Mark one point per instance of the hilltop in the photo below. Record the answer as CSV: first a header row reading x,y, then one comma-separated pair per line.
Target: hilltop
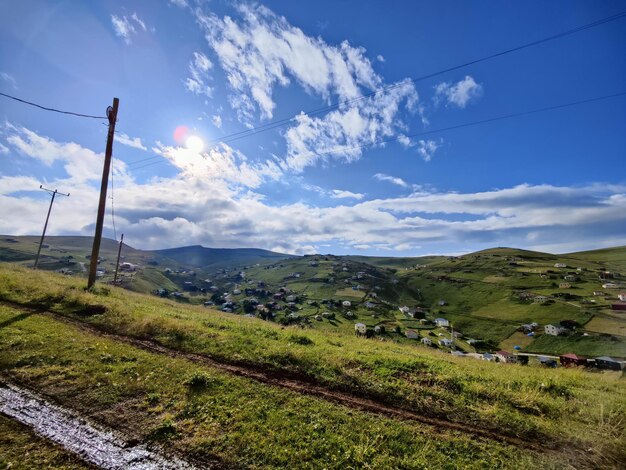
x,y
489,298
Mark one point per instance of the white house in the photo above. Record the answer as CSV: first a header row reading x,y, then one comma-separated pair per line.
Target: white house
x,y
445,342
441,322
489,357
540,299
427,341
560,265
360,329
610,285
404,309
622,296
553,330
346,303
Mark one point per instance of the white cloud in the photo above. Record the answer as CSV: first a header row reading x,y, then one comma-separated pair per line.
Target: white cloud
x,y
460,93
124,26
130,141
180,3
9,79
4,150
380,58
427,148
391,179
341,194
217,121
199,67
215,206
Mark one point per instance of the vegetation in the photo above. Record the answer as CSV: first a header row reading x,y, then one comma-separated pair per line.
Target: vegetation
x,y
21,449
573,409
234,421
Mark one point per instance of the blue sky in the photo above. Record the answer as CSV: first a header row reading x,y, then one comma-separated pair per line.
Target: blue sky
x,y
191,73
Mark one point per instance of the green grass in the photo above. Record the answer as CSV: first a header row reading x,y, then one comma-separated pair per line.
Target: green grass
x,y
22,449
591,346
512,399
205,414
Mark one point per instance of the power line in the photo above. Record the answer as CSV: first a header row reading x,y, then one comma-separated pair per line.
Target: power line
x,y
281,122
449,128
51,109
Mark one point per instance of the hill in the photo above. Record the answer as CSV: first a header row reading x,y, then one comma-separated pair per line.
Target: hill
x,y
232,391
218,258
485,296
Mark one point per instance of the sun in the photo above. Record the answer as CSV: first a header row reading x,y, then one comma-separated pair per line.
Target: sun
x,y
194,143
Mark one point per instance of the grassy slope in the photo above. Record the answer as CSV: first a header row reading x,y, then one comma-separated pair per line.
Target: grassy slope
x,y
21,449
480,290
562,405
239,422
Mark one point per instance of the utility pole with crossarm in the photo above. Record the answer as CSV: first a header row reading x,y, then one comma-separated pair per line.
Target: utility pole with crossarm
x,y
45,226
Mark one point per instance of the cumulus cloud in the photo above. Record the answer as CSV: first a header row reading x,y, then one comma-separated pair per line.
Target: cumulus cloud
x,y
216,119
126,27
341,194
427,148
199,67
215,205
135,142
260,51
391,179
458,94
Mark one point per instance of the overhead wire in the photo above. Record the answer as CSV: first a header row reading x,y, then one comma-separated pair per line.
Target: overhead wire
x,y
281,122
449,128
45,108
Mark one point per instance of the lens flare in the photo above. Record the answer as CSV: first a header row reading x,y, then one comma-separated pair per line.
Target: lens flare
x,y
180,134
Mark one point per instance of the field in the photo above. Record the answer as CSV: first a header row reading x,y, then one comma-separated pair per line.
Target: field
x,y
237,419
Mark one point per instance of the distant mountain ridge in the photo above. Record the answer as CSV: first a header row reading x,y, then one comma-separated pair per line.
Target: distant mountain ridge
x,y
198,256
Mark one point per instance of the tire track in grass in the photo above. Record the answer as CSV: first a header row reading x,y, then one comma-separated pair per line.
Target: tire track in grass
x,y
290,381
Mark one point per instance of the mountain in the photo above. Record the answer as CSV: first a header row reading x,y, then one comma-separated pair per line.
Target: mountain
x,y
198,256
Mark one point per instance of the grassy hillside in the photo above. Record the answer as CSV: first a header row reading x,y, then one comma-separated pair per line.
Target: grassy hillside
x,y
485,295
571,409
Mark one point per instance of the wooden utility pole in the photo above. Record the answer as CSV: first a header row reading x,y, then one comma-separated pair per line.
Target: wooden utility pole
x,y
117,264
45,226
112,116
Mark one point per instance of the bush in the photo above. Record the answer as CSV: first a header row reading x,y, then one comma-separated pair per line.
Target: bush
x,y
199,380
299,339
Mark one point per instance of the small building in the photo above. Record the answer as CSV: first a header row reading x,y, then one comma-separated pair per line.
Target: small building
x,y
441,303
445,342
370,305
360,329
560,265
608,363
346,303
622,296
621,306
540,299
426,341
404,309
318,317
610,285
379,329
553,330
505,356
570,278
571,359
441,322
488,357
598,293
564,285
411,334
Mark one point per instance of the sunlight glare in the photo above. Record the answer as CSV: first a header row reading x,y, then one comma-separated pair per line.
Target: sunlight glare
x,y
194,143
